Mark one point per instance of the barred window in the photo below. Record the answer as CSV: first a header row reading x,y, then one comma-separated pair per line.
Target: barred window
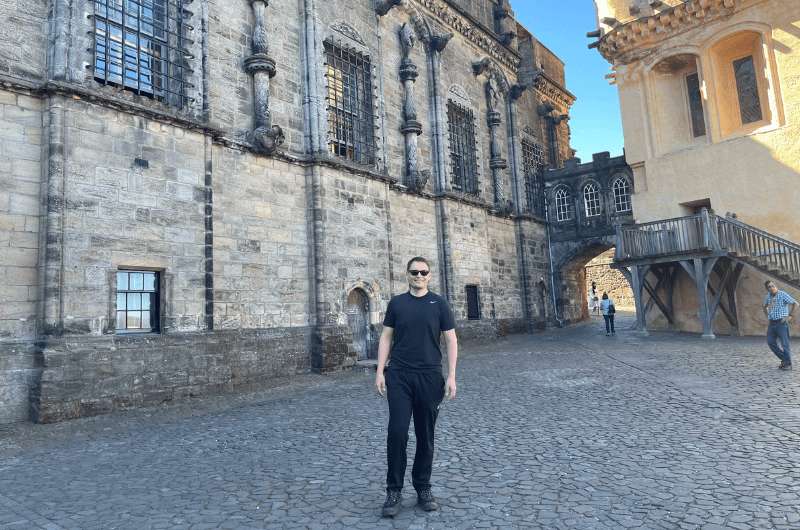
x,y
137,301
463,159
747,89
351,129
139,45
562,199
622,195
533,166
695,105
473,303
591,200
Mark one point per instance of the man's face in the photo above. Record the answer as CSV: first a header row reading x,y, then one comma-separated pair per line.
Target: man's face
x,y
418,275
772,288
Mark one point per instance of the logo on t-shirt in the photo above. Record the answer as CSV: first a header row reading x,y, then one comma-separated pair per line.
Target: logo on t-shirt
x,y
432,301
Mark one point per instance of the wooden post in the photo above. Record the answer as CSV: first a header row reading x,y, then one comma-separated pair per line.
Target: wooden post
x,y
636,283
701,275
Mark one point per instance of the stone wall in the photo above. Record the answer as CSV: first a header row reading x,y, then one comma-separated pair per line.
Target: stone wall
x,y
610,281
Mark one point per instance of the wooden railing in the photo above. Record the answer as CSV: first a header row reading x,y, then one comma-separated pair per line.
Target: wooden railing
x,y
755,245
706,232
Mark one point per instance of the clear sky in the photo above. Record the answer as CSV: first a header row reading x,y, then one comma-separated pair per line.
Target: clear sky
x,y
561,25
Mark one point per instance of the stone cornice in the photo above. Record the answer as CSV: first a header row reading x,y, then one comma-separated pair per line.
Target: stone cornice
x,y
472,31
549,89
620,44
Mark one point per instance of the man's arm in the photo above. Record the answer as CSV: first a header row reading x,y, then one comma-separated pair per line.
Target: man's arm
x,y
452,358
384,347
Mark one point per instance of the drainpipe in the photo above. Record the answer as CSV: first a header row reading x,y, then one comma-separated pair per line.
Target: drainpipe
x,y
550,255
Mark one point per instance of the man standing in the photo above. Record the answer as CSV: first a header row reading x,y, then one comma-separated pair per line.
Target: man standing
x,y
413,380
779,307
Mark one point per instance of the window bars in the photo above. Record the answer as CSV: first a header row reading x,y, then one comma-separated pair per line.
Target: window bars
x,y
463,158
563,211
351,129
622,195
533,166
591,200
139,45
747,89
137,301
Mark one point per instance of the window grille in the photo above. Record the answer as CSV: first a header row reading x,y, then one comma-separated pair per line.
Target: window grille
x,y
533,166
463,159
473,303
139,45
137,301
622,195
695,105
562,199
591,200
351,129
747,90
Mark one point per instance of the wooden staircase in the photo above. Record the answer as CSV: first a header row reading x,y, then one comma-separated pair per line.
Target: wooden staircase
x,y
778,258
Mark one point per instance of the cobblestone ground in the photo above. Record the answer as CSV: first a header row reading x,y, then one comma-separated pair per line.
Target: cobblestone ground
x,y
565,429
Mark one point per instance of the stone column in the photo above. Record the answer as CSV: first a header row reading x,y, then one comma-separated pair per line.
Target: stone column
x,y
414,178
496,161
266,137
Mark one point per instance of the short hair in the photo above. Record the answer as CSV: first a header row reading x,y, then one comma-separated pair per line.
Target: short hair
x,y
605,296
766,283
419,259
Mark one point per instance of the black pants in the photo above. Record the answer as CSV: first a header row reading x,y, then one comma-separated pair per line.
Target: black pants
x,y
417,393
609,323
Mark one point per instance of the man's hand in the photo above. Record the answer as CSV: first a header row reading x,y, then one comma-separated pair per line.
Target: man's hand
x,y
450,388
380,383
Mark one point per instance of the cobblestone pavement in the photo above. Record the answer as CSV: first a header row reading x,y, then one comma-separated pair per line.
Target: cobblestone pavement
x,y
565,429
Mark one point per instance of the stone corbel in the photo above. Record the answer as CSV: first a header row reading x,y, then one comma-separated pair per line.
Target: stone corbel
x,y
438,41
266,137
382,7
504,20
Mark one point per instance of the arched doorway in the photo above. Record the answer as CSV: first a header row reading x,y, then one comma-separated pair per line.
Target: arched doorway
x,y
358,320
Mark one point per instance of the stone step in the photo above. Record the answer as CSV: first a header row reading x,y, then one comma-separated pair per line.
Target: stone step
x,y
366,365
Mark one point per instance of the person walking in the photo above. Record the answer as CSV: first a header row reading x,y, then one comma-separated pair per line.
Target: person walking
x,y
413,381
608,310
779,308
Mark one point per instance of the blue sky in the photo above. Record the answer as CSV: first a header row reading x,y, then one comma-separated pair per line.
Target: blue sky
x,y
561,25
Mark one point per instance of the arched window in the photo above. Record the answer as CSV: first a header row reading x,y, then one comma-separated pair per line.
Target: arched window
x,y
591,200
562,204
622,195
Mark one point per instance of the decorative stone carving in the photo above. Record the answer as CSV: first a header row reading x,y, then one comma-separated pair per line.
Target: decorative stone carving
x,y
266,137
504,20
495,83
348,32
382,7
415,179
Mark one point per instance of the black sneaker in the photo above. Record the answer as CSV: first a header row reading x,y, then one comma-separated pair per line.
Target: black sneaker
x,y
391,505
786,366
426,500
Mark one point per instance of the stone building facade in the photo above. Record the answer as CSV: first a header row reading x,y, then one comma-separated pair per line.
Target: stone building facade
x,y
708,92
197,197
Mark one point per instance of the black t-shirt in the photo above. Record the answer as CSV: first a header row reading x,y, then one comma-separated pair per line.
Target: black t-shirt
x,y
418,322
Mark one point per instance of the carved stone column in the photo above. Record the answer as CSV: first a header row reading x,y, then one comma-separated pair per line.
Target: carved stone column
x,y
411,128
496,161
266,137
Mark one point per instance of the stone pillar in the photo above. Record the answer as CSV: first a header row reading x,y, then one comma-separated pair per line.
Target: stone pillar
x,y
266,137
496,161
414,178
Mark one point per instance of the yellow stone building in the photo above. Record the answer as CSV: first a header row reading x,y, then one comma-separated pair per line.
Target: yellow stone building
x,y
710,100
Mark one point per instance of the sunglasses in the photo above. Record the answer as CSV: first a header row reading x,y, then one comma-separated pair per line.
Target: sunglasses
x,y
418,273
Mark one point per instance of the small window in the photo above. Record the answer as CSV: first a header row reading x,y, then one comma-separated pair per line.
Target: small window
x,y
695,105
563,212
139,45
137,301
463,160
351,133
591,200
533,166
622,195
473,303
747,90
